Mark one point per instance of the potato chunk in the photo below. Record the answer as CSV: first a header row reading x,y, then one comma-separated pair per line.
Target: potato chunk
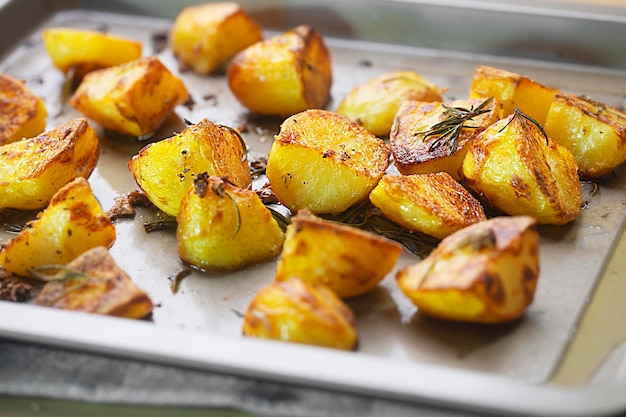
x,y
22,113
485,273
299,312
520,171
166,169
87,50
33,170
94,283
205,37
594,132
433,137
133,98
374,104
323,161
434,204
223,227
347,260
283,75
72,224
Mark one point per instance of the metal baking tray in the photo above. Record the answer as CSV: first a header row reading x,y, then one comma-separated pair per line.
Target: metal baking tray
x,y
403,354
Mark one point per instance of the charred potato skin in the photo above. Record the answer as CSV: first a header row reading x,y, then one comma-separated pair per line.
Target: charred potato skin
x,y
22,113
33,170
324,162
299,312
485,273
283,75
354,261
205,37
434,204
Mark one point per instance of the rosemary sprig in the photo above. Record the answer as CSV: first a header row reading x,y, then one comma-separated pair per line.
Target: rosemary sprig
x,y
177,278
160,225
50,273
523,117
282,220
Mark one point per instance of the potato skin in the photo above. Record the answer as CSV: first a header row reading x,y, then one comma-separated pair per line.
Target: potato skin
x,y
33,170
22,113
299,312
165,170
283,75
434,204
324,162
484,273
347,260
72,223
133,98
205,37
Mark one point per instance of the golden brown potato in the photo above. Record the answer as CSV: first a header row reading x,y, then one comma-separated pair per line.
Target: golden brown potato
x,y
165,170
435,204
594,132
93,283
205,37
347,260
433,137
299,312
484,273
283,75
223,227
512,91
22,113
520,171
72,223
33,170
323,161
87,50
373,105
133,98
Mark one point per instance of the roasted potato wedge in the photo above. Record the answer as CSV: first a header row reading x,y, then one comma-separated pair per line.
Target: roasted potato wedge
x,y
85,50
484,273
165,170
347,260
374,104
22,113
223,227
205,37
325,162
72,223
594,132
519,170
33,170
300,312
434,204
284,75
133,98
93,283
433,137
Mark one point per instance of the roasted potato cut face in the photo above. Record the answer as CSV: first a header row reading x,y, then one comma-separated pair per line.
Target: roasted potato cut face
x,y
22,113
431,137
284,75
223,227
519,170
300,312
512,91
594,132
484,273
325,162
205,37
165,170
85,50
33,170
93,283
374,104
133,98
434,204
72,223
347,260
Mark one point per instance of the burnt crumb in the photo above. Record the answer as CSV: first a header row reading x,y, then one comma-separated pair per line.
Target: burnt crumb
x,y
266,194
201,184
104,28
190,103
125,206
159,41
12,289
242,128
365,63
258,166
210,99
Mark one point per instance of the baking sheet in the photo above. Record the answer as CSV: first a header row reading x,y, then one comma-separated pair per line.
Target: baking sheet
x,y
200,325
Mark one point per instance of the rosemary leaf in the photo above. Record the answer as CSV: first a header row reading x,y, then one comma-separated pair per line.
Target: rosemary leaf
x,y
57,273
